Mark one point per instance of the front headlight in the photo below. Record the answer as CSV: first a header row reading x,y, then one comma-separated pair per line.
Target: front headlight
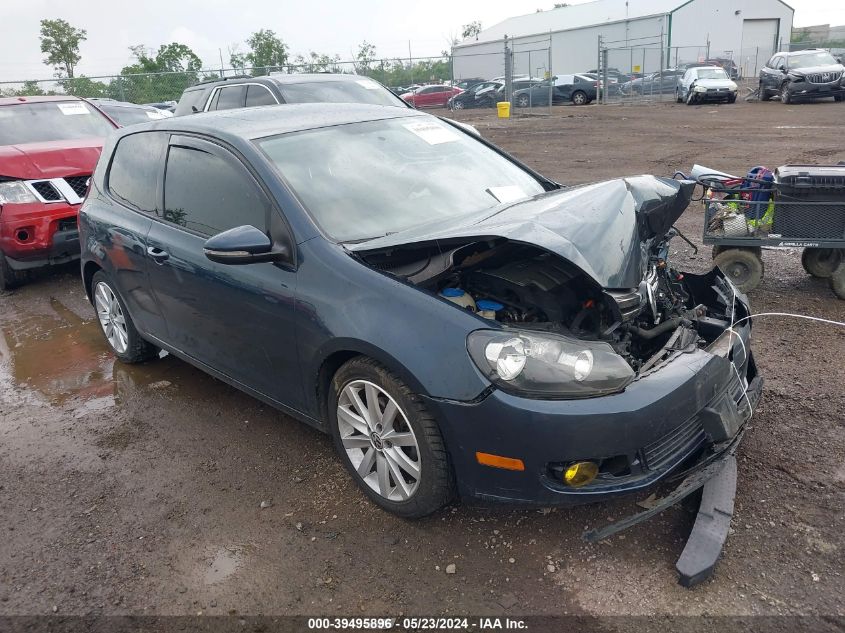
x,y
550,365
15,192
699,89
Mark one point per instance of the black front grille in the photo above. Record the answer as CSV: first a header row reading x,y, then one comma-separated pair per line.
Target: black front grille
x,y
79,184
47,191
824,78
671,447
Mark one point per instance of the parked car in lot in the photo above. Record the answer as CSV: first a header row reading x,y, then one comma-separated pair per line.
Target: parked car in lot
x,y
456,321
245,92
489,97
727,64
469,97
167,106
124,113
577,89
663,82
466,84
436,96
705,83
48,149
612,73
802,75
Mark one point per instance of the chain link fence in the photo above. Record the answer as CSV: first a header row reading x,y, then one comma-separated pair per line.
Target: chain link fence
x,y
168,86
646,71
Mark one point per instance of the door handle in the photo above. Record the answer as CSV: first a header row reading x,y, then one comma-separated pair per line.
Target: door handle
x,y
157,254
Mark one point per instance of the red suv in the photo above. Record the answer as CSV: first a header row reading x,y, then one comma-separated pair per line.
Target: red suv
x,y
431,96
48,149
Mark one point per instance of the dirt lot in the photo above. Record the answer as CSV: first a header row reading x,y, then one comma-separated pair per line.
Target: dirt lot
x,y
136,490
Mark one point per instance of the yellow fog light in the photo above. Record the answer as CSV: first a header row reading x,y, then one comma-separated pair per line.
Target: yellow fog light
x,y
580,473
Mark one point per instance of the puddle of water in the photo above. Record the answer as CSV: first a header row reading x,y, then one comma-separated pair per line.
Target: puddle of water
x,y
226,562
60,356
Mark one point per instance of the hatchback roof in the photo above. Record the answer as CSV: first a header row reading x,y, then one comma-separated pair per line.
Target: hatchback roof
x,y
258,122
280,78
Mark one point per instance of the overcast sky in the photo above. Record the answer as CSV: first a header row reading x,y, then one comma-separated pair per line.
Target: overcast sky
x,y
333,27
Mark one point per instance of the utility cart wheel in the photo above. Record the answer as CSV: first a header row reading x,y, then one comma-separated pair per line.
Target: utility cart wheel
x,y
743,267
757,250
821,262
837,281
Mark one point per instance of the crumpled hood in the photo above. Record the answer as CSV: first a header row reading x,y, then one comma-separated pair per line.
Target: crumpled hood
x,y
53,159
603,228
715,83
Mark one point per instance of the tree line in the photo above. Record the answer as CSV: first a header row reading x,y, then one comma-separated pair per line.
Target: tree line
x,y
162,74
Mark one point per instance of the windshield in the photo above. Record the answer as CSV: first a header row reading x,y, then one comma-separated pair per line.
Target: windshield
x,y
50,121
361,90
808,60
366,180
711,73
125,115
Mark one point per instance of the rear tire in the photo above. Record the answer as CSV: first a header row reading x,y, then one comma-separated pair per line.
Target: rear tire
x,y
523,101
579,97
118,329
743,267
429,484
839,98
821,262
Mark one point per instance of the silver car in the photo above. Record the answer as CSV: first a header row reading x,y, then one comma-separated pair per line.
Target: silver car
x,y
705,83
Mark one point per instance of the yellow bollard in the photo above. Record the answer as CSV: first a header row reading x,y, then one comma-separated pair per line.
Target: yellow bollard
x,y
504,109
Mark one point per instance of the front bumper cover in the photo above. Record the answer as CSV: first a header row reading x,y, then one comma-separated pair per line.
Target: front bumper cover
x,y
50,233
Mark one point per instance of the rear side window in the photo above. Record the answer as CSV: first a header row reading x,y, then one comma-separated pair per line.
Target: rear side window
x,y
137,161
230,97
355,91
190,99
259,96
208,194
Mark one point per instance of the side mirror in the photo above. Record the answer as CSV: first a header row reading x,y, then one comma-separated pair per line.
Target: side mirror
x,y
244,245
782,68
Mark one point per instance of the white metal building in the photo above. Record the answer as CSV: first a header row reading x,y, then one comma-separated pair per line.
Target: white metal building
x,y
638,33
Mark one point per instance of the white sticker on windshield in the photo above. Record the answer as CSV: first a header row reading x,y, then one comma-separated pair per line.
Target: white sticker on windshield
x,y
369,84
432,133
509,193
77,107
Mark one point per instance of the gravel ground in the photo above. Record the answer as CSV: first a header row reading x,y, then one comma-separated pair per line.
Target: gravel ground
x,y
138,489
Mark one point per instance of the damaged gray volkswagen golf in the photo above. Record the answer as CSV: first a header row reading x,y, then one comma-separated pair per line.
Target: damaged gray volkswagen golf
x,y
460,324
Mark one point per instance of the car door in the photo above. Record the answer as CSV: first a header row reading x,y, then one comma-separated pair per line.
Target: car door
x,y
770,74
133,185
236,319
425,97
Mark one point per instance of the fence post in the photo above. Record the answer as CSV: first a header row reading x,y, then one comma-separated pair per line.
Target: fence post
x,y
508,72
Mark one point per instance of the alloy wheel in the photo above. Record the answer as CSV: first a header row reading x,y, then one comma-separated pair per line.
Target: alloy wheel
x,y
378,440
457,105
111,317
579,98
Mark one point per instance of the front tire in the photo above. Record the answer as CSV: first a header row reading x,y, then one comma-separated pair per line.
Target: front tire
x,y
579,97
678,97
839,98
764,94
9,278
388,440
116,324
785,97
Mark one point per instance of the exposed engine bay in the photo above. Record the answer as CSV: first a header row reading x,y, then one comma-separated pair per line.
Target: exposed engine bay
x,y
526,287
